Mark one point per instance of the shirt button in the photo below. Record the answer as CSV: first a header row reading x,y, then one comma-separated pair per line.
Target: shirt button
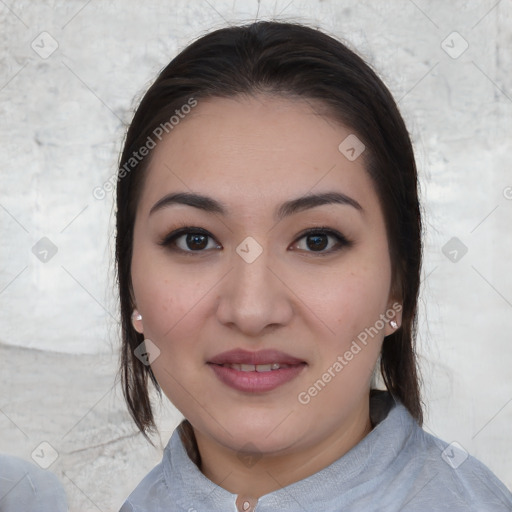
x,y
246,503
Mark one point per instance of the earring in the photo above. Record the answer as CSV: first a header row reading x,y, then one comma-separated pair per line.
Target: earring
x,y
136,315
393,324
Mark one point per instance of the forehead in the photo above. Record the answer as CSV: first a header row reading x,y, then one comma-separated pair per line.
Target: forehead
x,y
255,151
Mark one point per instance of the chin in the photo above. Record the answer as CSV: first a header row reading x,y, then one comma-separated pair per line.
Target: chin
x,y
267,435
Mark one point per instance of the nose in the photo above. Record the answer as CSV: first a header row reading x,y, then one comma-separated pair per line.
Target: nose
x,y
254,297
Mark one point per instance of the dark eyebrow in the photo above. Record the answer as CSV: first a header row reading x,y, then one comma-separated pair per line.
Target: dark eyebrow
x,y
291,207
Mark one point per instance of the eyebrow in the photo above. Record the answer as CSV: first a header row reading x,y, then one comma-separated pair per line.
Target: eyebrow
x,y
208,204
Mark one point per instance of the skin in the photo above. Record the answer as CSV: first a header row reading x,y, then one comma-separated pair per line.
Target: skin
x,y
253,154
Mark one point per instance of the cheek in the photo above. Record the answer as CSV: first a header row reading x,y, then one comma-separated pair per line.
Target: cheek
x,y
153,292
159,294
168,301
162,292
352,309
173,303
350,298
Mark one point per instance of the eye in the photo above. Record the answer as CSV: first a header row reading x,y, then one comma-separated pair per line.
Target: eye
x,y
191,240
317,240
188,240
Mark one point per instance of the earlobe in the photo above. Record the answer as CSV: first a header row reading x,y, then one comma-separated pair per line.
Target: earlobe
x,y
137,321
394,318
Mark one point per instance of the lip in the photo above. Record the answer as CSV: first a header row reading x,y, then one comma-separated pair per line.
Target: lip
x,y
241,356
254,381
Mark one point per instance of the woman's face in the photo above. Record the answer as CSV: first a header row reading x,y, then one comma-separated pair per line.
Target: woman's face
x,y
253,281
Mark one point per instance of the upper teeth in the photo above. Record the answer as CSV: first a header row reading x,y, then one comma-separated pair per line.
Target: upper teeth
x,y
256,367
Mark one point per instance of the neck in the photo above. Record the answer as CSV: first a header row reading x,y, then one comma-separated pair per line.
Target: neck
x,y
255,475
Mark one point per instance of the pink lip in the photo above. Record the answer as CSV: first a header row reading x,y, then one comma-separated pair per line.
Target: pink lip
x,y
240,356
255,382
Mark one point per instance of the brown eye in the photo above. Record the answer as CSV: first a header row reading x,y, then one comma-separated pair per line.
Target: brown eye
x,y
196,241
319,239
317,242
189,240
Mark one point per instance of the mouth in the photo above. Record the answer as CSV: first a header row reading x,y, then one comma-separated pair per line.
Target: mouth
x,y
265,359
255,372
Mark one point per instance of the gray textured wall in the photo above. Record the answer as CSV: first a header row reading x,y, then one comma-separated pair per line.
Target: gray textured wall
x,y
70,75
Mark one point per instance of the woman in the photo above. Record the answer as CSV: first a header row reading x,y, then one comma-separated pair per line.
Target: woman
x,y
269,253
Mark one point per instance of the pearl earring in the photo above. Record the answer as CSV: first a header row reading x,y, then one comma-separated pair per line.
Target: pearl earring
x,y
393,324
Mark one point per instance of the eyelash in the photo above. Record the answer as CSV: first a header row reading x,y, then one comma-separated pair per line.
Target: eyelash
x,y
169,240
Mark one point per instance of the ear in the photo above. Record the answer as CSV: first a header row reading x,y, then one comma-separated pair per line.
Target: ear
x,y
137,321
393,316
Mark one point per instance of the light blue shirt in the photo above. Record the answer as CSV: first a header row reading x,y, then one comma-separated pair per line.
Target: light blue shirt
x,y
396,467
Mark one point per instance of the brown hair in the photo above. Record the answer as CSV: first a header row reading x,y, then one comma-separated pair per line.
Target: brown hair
x,y
295,61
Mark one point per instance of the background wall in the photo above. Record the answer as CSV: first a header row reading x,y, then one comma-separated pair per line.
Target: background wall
x,y
71,74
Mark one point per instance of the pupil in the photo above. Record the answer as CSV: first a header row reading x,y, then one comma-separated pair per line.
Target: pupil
x,y
319,241
200,241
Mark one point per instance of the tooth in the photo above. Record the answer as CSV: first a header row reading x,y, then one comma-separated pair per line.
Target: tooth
x,y
258,368
266,367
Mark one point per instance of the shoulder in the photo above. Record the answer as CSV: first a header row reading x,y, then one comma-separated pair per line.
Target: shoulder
x,y
445,474
25,486
170,482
